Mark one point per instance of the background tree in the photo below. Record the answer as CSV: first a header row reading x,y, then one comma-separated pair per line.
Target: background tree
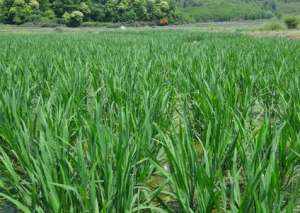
x,y
73,19
74,12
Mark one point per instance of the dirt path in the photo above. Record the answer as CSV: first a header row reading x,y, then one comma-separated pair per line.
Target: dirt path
x,y
292,34
245,27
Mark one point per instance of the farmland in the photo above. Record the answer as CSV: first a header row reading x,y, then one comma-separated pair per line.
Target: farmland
x,y
149,121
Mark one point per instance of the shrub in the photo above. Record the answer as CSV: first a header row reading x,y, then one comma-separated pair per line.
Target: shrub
x,y
97,13
273,25
73,19
35,5
49,14
267,14
84,8
163,22
35,18
128,16
141,11
18,13
291,22
164,6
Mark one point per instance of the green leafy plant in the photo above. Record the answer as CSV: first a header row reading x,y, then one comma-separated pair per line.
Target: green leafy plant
x,y
50,14
73,19
291,22
273,25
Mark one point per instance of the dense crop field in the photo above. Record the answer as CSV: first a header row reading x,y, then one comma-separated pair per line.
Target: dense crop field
x,y
149,121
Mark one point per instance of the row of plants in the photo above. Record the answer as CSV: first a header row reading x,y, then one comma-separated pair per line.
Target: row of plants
x,y
149,121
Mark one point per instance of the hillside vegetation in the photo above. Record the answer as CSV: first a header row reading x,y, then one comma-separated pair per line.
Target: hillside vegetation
x,y
289,8
224,10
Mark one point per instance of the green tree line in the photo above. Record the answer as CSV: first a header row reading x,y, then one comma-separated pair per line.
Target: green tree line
x,y
73,12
